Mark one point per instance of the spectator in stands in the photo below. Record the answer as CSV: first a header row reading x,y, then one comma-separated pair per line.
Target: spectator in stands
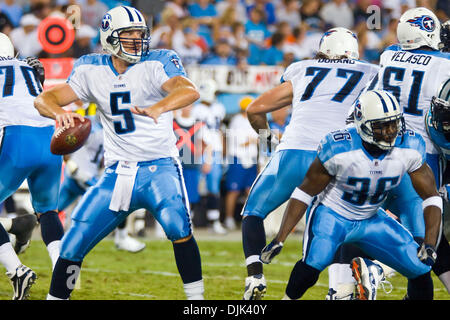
x,y
242,152
6,25
41,8
188,50
337,13
222,55
267,7
25,37
256,32
239,39
92,12
389,34
274,55
205,13
309,13
168,31
241,12
12,10
289,12
306,43
83,40
179,8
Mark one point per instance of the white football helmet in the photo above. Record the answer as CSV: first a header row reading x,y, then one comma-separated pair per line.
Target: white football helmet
x,y
338,42
6,46
372,109
418,27
120,19
207,90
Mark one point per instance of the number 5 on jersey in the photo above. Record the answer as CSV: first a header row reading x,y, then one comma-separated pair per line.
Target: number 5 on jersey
x,y
124,98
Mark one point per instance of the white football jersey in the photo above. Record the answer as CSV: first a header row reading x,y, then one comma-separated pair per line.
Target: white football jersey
x,y
213,116
413,77
89,157
128,136
19,86
323,91
361,182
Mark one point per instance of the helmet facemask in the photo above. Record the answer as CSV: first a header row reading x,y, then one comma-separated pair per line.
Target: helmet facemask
x,y
127,48
383,132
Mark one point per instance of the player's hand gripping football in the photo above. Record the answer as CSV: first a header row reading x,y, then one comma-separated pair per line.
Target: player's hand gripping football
x,y
65,119
270,251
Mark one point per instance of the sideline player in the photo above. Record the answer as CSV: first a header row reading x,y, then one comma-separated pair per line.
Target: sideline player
x,y
355,169
321,92
25,154
135,91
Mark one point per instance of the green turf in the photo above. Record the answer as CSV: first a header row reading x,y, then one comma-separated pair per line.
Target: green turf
x,y
108,274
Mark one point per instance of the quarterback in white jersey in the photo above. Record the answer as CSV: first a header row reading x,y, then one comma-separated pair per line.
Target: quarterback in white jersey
x,y
135,91
321,91
351,176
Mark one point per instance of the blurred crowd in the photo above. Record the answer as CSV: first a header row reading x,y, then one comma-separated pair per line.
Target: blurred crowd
x,y
222,32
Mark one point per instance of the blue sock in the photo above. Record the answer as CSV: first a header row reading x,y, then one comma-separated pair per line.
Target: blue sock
x,y
301,279
51,227
187,258
64,277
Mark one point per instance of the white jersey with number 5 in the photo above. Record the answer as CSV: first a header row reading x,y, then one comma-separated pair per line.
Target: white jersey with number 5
x,y
323,91
361,182
128,136
413,77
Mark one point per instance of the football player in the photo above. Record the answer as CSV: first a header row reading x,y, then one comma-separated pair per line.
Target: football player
x,y
25,154
355,169
438,129
321,91
135,91
81,171
412,71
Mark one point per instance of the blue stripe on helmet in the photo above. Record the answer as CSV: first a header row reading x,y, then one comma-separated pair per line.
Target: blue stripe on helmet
x,y
385,108
139,15
392,101
129,14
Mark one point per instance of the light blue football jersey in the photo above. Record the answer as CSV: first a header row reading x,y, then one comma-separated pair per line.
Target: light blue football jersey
x,y
127,136
361,182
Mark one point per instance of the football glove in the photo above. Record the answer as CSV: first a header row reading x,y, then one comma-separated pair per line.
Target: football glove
x,y
444,191
270,251
427,254
38,67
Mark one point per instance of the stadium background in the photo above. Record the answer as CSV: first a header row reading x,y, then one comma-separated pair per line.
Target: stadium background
x,y
219,40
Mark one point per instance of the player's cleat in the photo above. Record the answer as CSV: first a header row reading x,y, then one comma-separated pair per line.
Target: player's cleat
x,y
22,280
22,228
129,244
255,287
368,276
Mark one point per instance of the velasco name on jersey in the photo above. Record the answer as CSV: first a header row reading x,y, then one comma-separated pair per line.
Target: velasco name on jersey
x,y
414,58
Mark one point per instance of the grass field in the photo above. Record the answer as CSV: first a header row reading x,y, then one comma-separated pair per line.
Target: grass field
x,y
108,274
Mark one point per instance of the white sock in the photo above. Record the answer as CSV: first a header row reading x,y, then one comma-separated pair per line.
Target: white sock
x,y
7,223
445,279
194,290
9,258
345,274
53,249
121,233
333,275
213,215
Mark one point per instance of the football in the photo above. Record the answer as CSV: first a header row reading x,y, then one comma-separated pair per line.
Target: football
x,y
68,140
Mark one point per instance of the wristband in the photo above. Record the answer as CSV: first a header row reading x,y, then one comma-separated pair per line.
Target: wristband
x,y
302,196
